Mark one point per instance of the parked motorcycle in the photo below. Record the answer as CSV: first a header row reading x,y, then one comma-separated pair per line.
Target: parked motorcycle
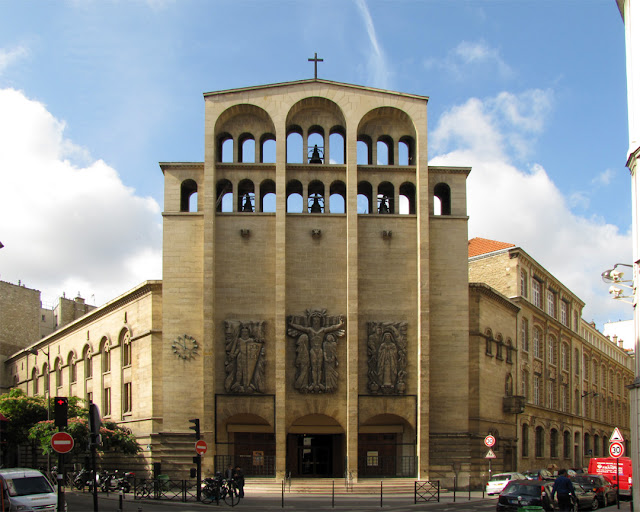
x,y
83,479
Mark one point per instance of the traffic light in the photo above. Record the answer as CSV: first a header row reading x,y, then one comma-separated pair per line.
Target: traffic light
x,y
60,409
196,427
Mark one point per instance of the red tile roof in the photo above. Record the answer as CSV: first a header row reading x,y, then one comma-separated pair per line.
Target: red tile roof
x,y
478,246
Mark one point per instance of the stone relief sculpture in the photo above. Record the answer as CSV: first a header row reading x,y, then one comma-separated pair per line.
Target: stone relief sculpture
x,y
244,362
316,350
387,357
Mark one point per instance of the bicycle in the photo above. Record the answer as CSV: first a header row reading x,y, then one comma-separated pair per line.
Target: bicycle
x,y
217,488
144,489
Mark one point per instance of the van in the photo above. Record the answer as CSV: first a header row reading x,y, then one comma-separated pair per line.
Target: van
x,y
607,466
25,489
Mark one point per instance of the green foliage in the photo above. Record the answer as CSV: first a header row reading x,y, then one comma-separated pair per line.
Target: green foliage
x,y
27,417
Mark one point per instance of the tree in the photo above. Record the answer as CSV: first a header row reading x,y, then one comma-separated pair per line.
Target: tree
x,y
22,412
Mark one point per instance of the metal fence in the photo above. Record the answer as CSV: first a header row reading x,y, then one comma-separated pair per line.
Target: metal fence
x,y
165,489
388,466
251,466
426,491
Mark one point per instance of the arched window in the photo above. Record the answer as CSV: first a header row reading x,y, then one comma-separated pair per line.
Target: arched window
x,y
315,201
225,148
596,445
294,197
442,199
34,380
406,151
224,196
566,444
488,349
188,196
125,344
385,198
384,150
553,443
525,440
73,368
246,196
364,150
294,146
407,198
587,445
105,349
338,197
509,348
58,371
88,370
539,442
315,145
268,196
247,148
268,148
365,195
337,145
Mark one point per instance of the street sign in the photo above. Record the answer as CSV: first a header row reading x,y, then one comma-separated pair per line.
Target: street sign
x,y
616,450
489,441
490,454
201,447
616,436
62,442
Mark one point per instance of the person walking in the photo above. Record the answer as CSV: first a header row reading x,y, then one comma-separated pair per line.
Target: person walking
x,y
564,488
238,477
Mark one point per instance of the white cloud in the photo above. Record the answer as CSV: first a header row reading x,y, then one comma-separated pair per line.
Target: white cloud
x,y
468,58
524,206
604,178
65,227
378,67
8,57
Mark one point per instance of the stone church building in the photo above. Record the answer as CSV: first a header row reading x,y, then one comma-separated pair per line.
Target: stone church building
x,y
314,312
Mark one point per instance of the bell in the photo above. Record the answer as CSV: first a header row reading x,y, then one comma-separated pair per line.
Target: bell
x,y
315,206
315,156
384,205
247,206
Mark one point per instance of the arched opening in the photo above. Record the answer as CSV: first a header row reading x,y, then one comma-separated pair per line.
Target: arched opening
x,y
566,444
315,201
294,145
247,148
315,447
364,150
188,196
407,198
224,196
384,150
226,148
385,198
365,197
539,442
315,145
246,197
406,151
294,197
268,149
553,443
443,193
268,196
338,197
337,145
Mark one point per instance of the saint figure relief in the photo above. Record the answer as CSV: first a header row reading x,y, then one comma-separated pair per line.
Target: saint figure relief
x,y
316,350
387,357
245,357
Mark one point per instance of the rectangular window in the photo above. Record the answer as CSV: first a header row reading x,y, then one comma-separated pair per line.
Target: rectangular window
x,y
537,343
565,356
126,355
536,389
525,334
127,398
551,303
524,288
564,313
535,293
525,385
106,402
551,396
564,404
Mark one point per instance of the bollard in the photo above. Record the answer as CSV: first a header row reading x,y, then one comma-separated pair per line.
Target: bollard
x,y
333,494
381,494
120,504
139,508
283,494
455,484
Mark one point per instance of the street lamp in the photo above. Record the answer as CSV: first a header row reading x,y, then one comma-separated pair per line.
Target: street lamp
x,y
34,351
616,277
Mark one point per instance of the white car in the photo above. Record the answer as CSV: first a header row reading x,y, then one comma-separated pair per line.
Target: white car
x,y
499,481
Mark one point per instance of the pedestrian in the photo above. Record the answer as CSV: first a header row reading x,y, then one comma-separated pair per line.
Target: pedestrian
x,y
564,487
238,476
229,473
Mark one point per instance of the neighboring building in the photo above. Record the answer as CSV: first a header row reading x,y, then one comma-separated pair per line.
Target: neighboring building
x,y
620,332
570,376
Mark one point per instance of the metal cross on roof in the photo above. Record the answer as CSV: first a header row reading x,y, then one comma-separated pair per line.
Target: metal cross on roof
x,y
315,61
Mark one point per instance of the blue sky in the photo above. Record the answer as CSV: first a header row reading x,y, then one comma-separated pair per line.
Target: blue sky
x,y
93,94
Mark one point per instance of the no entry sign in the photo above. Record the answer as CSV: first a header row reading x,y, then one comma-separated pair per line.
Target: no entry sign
x,y
201,447
62,442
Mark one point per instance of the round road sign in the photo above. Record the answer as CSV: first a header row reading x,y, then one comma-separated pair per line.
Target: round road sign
x,y
201,447
489,441
62,442
616,450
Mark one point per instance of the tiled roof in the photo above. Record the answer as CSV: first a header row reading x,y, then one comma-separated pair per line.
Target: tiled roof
x,y
478,246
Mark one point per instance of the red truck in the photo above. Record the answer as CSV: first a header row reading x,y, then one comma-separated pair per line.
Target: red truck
x,y
608,466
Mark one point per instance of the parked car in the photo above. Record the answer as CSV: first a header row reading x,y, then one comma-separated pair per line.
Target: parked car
x,y
499,481
26,489
603,487
529,493
538,474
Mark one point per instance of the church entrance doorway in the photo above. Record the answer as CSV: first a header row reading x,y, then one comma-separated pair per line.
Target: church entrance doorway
x,y
315,455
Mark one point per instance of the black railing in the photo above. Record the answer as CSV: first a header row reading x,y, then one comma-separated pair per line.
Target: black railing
x,y
404,466
426,491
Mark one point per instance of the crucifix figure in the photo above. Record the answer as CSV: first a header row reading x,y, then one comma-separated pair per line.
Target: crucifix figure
x,y
315,61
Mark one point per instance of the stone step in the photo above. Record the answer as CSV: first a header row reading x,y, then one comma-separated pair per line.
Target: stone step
x,y
329,485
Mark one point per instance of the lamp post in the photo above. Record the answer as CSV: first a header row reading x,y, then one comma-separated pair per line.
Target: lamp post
x,y
34,351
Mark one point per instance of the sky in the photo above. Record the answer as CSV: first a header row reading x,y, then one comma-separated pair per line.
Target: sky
x,y
531,94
